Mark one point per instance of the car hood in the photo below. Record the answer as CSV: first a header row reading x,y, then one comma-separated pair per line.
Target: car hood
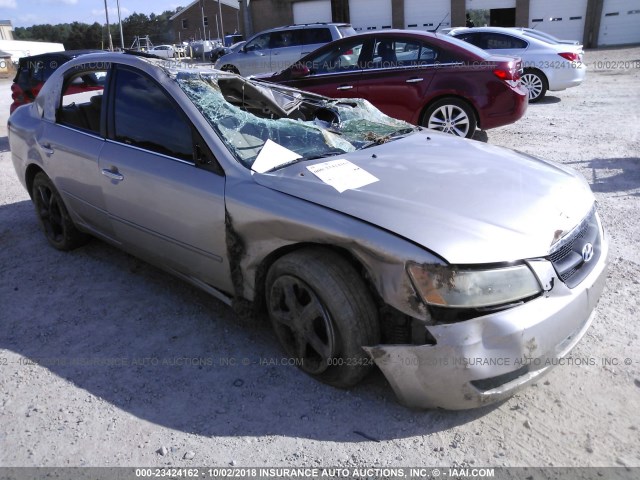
x,y
465,201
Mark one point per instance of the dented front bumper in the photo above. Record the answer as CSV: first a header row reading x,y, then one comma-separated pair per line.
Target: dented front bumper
x,y
486,359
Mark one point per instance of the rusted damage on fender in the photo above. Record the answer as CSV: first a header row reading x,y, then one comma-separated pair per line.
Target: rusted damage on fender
x,y
236,251
294,229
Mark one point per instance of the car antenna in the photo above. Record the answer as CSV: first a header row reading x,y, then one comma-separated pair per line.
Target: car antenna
x,y
443,19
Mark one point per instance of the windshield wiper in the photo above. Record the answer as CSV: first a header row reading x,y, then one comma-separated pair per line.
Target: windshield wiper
x,y
329,153
387,138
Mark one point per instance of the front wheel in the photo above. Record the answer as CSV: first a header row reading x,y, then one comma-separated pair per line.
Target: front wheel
x,y
323,314
536,84
53,215
451,115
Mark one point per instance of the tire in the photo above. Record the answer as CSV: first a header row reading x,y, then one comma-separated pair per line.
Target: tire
x,y
54,218
230,68
451,115
322,314
536,83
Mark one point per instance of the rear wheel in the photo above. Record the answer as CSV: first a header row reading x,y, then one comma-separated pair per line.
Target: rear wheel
x,y
323,314
451,115
53,215
536,84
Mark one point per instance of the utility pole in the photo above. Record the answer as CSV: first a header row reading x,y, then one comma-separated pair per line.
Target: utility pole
x,y
221,24
106,12
120,22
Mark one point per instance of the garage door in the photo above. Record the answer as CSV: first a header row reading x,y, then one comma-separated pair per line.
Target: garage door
x,y
562,19
620,22
489,4
422,15
370,14
310,12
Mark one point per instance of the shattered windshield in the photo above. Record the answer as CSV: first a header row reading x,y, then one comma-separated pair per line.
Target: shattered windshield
x,y
246,114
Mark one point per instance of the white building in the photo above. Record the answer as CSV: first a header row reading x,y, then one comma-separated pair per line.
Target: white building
x,y
594,22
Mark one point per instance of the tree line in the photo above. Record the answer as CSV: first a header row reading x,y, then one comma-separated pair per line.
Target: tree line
x,y
77,35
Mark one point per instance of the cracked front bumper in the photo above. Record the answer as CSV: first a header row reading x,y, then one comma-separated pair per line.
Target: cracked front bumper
x,y
487,359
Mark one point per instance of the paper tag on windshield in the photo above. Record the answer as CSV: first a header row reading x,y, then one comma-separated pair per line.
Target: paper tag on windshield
x,y
272,156
342,174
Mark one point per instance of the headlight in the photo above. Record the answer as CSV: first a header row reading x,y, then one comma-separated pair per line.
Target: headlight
x,y
444,286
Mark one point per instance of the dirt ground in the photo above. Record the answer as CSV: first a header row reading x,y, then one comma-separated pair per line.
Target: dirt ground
x,y
137,368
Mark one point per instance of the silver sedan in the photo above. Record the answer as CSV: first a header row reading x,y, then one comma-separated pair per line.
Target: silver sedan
x,y
463,271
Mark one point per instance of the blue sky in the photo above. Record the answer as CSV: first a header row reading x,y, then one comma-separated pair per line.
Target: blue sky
x,y
24,13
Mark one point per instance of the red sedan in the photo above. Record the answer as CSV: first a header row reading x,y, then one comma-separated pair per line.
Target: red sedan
x,y
424,78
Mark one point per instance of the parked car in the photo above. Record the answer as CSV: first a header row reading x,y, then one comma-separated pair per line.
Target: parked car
x,y
164,51
181,49
33,71
420,77
278,48
232,39
366,240
220,51
547,66
200,47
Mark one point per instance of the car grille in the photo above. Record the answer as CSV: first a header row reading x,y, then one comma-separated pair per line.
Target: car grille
x,y
568,255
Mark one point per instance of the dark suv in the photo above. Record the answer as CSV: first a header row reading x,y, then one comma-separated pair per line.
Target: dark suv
x,y
34,71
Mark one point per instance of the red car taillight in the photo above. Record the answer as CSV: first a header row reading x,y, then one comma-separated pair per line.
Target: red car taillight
x,y
502,74
17,94
509,72
572,57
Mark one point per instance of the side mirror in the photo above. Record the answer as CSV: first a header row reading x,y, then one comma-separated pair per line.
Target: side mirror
x,y
300,71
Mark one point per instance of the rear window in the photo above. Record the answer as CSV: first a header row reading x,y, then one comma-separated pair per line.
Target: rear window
x,y
316,35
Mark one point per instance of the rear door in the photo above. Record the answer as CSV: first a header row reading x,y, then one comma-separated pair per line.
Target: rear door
x,y
72,145
286,48
162,205
398,77
336,70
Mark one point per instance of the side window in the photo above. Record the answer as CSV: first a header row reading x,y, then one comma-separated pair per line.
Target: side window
x,y
81,102
497,41
284,39
401,52
311,36
341,58
145,117
474,39
259,43
428,55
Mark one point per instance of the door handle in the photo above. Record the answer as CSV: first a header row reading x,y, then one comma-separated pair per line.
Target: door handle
x,y
46,148
345,87
113,174
414,80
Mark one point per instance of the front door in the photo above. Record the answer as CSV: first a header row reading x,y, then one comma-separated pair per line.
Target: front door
x,y
162,206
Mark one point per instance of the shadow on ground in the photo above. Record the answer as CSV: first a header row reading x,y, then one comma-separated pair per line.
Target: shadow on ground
x,y
546,100
123,331
611,175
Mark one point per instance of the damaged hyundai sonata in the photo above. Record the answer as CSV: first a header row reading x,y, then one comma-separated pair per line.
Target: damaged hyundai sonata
x,y
462,270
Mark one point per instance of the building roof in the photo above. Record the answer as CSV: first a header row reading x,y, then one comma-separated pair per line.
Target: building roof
x,y
228,3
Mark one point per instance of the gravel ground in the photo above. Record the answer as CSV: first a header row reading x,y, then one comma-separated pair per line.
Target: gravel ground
x,y
138,368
